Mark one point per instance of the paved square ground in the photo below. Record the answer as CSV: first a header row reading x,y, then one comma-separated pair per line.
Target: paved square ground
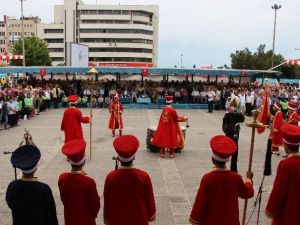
x,y
175,181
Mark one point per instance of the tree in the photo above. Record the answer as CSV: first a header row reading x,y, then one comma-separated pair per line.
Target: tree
x,y
259,60
36,52
242,59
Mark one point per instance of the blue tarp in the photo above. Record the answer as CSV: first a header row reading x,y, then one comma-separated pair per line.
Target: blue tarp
x,y
130,70
274,80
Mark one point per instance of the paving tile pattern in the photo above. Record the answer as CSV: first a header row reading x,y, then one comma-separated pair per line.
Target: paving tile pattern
x,y
175,181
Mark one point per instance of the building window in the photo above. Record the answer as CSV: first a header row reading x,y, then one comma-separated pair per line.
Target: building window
x,y
105,21
57,59
131,31
53,31
54,40
139,13
55,49
119,59
108,40
140,50
105,12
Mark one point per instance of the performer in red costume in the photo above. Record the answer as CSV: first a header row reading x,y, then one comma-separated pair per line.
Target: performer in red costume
x,y
293,117
283,205
128,193
217,198
78,192
72,119
277,122
116,110
168,133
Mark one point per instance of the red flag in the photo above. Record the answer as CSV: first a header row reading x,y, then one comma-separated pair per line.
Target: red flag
x,y
264,111
244,72
43,71
145,72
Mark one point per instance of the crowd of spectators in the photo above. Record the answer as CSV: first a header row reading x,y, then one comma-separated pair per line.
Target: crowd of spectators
x,y
28,96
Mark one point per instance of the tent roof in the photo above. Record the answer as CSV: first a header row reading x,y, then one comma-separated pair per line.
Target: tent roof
x,y
131,70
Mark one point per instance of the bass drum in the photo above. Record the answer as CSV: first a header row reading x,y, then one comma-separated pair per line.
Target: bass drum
x,y
150,134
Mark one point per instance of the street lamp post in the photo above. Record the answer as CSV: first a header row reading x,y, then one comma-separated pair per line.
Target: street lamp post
x,y
275,7
23,36
181,55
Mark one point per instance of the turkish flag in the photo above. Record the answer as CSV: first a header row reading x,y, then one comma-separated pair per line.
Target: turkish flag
x,y
43,71
244,72
145,72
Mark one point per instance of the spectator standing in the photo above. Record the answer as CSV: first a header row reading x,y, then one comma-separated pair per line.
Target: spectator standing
x,y
55,96
242,98
5,113
210,99
47,97
249,103
218,100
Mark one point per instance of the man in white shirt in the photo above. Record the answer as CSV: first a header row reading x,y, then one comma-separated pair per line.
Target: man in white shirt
x,y
210,99
55,96
249,103
242,98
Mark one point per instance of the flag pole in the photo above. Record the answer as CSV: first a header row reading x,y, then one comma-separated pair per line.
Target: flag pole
x,y
253,124
91,85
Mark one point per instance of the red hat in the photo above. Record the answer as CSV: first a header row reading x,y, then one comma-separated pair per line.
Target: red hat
x,y
126,146
293,105
73,98
291,134
222,147
75,151
169,99
277,105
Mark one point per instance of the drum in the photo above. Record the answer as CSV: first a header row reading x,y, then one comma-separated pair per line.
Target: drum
x,y
150,135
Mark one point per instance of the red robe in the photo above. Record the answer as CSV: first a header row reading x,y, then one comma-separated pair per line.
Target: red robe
x,y
284,202
276,135
294,118
71,124
79,195
128,198
217,198
168,133
115,121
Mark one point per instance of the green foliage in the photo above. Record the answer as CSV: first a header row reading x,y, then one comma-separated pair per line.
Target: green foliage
x,y
259,60
36,52
262,60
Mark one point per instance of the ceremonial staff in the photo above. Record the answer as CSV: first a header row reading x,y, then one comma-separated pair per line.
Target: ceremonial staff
x,y
254,124
91,85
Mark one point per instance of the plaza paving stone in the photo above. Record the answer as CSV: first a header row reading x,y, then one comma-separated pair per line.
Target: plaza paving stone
x,y
175,181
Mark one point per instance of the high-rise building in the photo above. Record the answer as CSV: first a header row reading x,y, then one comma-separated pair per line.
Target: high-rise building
x,y
117,35
2,37
14,29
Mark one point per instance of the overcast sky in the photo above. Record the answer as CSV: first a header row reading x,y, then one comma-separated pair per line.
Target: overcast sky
x,y
204,31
